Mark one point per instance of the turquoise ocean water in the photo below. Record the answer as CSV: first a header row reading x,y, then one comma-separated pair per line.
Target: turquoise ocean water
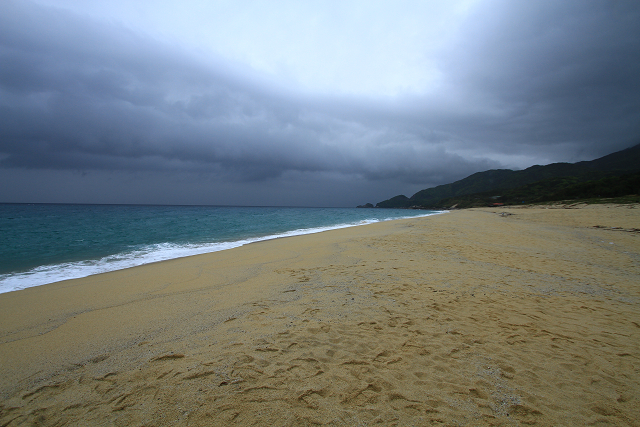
x,y
46,243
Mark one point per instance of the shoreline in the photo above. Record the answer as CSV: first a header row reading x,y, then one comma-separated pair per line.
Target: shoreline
x,y
52,273
470,318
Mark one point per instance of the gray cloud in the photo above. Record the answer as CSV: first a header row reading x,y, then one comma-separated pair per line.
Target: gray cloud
x,y
553,73
521,83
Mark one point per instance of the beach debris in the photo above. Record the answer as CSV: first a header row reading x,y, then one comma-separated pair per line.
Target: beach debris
x,y
628,230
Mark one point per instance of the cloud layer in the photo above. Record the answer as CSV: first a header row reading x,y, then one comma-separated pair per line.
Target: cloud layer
x,y
103,111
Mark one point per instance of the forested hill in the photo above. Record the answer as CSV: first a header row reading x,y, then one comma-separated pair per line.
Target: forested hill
x,y
553,178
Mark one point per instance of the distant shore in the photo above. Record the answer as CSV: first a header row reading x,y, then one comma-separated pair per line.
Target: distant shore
x,y
496,316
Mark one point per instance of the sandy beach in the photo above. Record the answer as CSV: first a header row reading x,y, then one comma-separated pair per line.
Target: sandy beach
x,y
497,317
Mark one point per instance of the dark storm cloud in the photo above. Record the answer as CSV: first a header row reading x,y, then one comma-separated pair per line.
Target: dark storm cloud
x,y
105,98
551,74
521,82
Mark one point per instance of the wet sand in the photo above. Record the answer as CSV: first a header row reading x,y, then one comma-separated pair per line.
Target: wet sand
x,y
466,318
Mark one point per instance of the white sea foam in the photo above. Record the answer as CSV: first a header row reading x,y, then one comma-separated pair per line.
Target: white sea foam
x,y
153,253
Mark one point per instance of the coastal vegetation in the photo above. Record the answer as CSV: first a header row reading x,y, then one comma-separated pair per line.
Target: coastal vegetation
x,y
613,176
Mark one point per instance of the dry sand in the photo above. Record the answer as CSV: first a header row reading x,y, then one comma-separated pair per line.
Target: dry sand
x,y
466,318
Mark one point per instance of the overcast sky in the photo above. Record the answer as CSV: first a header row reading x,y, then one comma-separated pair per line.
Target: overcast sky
x,y
304,103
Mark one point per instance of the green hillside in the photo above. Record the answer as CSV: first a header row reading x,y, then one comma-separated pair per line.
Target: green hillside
x,y
552,189
535,182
